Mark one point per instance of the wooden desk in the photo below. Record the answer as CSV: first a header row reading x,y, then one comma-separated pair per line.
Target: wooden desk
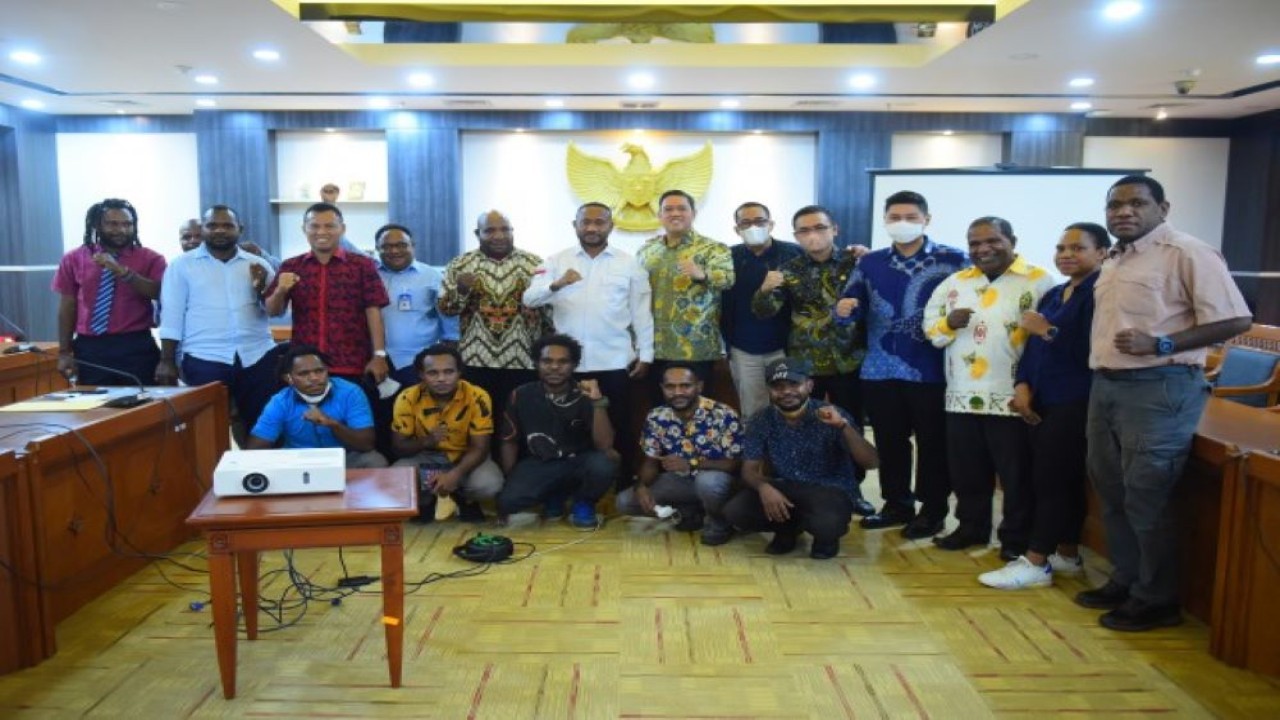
x,y
27,374
158,459
20,602
371,511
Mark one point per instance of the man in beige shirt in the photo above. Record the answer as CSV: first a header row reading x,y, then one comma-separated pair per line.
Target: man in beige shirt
x,y
1162,298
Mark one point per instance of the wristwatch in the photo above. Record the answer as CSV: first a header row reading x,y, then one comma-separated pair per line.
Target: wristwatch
x,y
1164,345
693,464
1051,333
380,353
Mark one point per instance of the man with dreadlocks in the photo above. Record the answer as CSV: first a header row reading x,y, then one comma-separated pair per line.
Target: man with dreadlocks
x,y
107,286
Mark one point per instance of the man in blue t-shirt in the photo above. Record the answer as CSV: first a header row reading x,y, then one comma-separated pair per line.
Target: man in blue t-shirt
x,y
317,411
811,448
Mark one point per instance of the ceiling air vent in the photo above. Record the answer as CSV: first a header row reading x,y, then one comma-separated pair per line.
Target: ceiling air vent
x,y
638,104
816,104
467,104
122,103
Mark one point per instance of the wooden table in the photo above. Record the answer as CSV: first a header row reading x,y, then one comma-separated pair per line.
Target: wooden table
x,y
79,531
27,374
21,607
371,511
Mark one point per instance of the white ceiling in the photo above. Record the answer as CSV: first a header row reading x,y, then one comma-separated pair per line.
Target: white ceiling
x,y
97,53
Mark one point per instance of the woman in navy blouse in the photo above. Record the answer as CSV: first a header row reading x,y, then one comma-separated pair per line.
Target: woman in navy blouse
x,y
1052,395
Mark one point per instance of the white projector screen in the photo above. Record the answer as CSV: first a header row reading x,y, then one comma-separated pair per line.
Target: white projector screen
x,y
1038,203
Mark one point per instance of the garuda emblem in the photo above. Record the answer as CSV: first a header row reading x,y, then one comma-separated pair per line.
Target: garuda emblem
x,y
632,192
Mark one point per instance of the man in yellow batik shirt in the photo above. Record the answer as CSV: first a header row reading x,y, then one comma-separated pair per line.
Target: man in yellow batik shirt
x,y
974,315
687,272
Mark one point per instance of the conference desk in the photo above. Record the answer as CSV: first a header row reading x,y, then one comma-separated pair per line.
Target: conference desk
x,y
371,511
26,374
95,495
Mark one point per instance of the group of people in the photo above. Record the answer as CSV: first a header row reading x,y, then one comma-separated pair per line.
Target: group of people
x,y
976,356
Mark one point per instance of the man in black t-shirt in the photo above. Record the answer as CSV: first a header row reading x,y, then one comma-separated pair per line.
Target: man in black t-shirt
x,y
557,440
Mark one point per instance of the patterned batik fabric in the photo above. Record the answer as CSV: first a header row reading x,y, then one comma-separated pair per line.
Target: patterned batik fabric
x,y
812,289
982,358
497,329
686,312
714,432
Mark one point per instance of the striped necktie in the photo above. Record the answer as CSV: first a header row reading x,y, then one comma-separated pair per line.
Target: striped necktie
x,y
102,305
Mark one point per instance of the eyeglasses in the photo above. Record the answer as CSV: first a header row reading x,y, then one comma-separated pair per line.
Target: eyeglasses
x,y
803,231
757,222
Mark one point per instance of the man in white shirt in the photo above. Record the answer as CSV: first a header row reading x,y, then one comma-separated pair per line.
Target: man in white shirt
x,y
211,305
600,295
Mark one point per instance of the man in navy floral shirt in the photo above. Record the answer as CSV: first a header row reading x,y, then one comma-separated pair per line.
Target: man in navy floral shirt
x,y
692,446
799,461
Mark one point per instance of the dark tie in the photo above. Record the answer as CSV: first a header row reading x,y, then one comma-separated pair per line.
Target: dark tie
x,y
102,305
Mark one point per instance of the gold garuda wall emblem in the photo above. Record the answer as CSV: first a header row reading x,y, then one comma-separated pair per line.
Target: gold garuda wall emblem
x,y
632,192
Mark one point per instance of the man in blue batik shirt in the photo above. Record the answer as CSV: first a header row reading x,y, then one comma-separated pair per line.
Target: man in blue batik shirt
x,y
412,321
902,377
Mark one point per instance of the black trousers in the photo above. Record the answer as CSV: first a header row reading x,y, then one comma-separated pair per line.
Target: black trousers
x,y
899,409
979,447
843,390
1058,454
821,511
616,386
133,353
585,477
498,382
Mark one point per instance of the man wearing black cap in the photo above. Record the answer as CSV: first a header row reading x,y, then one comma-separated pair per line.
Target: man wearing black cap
x,y
810,448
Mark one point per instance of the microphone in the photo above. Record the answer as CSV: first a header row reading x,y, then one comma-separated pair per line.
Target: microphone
x,y
123,401
19,334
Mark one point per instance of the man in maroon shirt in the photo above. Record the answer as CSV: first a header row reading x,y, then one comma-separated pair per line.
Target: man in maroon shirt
x,y
337,298
105,313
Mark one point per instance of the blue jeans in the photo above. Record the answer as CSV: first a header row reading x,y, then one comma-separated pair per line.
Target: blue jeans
x,y
1140,427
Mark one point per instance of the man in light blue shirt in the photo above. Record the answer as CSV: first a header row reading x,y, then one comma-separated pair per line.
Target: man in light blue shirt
x,y
411,321
211,306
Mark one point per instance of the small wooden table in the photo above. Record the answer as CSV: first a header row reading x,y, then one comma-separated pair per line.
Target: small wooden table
x,y
371,511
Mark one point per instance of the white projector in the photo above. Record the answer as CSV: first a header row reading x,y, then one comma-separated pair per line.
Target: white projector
x,y
280,472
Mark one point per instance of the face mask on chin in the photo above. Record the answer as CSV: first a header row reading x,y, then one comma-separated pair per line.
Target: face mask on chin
x,y
755,236
903,232
315,399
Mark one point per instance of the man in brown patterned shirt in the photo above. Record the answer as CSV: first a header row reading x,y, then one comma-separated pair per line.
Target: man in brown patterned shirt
x,y
484,288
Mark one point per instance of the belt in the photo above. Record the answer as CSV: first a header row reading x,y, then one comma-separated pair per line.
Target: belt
x,y
1157,371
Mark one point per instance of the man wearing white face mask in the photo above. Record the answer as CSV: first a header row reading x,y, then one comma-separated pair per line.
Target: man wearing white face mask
x,y
753,342
902,376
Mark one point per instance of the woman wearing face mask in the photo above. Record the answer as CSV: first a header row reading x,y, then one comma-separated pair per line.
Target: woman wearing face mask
x,y
902,377
1052,394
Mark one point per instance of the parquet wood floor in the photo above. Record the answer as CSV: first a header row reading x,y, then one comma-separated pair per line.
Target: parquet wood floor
x,y
638,621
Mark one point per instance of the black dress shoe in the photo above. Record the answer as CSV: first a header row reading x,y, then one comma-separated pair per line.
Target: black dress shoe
x,y
824,550
890,516
1138,616
962,538
716,536
1108,597
781,544
922,527
863,508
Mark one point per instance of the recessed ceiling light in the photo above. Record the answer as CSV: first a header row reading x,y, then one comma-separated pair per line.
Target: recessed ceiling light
x,y
379,103
757,132
1268,59
519,130
266,55
1121,10
421,79
32,104
730,104
207,79
1081,82
641,80
948,132
862,81
25,57
329,130
554,103
637,131
206,102
119,112
1162,114
1081,105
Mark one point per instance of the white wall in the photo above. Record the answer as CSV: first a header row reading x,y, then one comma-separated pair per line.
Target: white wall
x,y
156,172
1193,172
306,161
934,150
523,175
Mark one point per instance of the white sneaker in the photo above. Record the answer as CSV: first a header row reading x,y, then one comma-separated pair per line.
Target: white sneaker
x,y
1018,574
1065,565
